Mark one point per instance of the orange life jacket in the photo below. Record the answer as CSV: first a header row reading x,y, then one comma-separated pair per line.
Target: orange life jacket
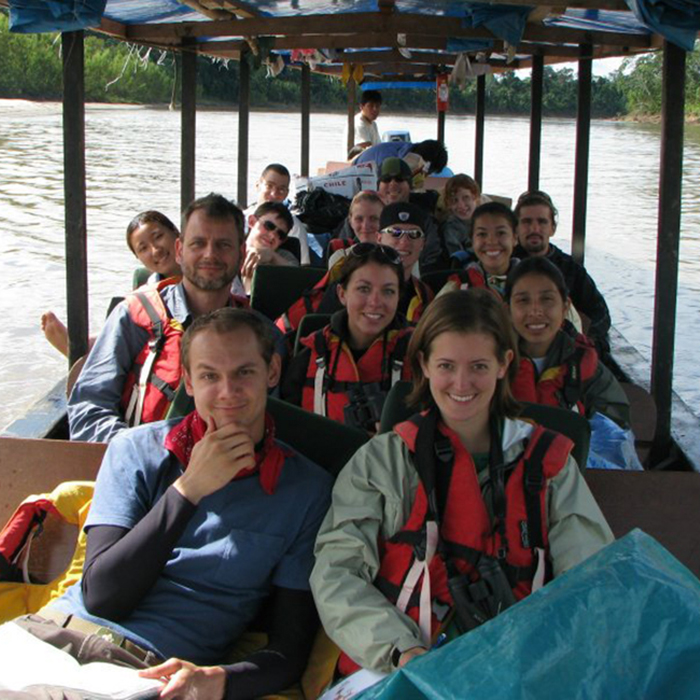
x,y
309,303
560,386
155,376
333,375
462,532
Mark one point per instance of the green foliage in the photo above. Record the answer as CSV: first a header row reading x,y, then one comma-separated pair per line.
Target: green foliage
x,y
640,80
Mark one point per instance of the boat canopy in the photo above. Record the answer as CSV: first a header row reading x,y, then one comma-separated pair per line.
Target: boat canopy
x,y
393,40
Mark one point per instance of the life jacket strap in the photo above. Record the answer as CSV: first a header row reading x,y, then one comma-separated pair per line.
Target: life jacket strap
x,y
134,409
420,568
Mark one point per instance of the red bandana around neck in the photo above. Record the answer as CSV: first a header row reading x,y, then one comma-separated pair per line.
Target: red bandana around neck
x,y
269,459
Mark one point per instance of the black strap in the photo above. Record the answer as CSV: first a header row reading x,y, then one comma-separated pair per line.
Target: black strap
x,y
533,483
571,391
497,476
429,445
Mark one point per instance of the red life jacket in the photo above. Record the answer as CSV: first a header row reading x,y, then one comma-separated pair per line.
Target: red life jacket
x,y
332,373
560,386
466,532
308,303
155,376
473,276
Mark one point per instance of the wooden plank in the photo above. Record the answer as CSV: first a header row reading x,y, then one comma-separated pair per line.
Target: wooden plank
x,y
74,193
663,504
38,466
668,242
357,23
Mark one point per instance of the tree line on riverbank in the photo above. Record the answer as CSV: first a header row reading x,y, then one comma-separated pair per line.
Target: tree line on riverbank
x,y
30,68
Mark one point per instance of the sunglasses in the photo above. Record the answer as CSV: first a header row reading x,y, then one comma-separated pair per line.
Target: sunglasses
x,y
414,234
364,250
272,228
392,178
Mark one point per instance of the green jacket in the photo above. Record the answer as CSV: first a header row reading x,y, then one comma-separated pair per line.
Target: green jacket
x,y
373,497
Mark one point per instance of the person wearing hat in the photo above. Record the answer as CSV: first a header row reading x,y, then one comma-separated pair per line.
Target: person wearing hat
x,y
402,227
394,186
268,228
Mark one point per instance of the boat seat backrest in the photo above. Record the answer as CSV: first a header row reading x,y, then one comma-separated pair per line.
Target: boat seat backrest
x,y
643,417
275,288
328,443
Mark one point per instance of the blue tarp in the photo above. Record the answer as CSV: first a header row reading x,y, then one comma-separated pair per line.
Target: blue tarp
x,y
677,20
624,624
507,22
34,16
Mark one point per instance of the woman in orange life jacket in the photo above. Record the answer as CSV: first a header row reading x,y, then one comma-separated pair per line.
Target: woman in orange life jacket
x,y
151,237
346,369
459,493
558,366
493,239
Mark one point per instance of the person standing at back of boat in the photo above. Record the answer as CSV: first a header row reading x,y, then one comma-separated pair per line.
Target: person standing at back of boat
x,y
273,186
366,129
537,223
133,372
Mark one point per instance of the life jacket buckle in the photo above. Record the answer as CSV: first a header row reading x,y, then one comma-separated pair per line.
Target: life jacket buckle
x,y
444,451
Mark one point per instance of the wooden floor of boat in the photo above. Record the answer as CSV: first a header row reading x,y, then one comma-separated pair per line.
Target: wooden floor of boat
x,y
663,504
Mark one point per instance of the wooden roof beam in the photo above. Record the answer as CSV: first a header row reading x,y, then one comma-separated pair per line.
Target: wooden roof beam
x,y
357,23
615,5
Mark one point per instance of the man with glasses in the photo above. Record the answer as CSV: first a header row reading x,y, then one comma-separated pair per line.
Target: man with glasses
x,y
401,227
394,187
268,228
273,186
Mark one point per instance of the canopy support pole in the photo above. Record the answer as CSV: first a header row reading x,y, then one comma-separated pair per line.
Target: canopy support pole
x,y
74,193
352,98
441,127
536,91
305,118
243,128
188,118
668,243
479,140
583,138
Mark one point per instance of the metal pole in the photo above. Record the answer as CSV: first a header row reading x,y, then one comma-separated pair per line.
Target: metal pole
x,y
536,90
479,145
74,193
668,243
352,97
441,127
243,124
583,138
305,118
188,117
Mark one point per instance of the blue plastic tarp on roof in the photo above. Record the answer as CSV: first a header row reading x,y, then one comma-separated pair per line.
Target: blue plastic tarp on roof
x,y
598,20
402,85
622,625
151,11
677,20
34,16
505,21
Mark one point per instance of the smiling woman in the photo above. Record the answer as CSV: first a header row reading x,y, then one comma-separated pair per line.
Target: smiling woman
x,y
459,483
346,368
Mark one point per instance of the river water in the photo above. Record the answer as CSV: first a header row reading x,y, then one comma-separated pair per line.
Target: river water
x,y
133,164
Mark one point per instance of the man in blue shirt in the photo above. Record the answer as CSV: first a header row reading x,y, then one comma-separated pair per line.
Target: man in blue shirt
x,y
195,524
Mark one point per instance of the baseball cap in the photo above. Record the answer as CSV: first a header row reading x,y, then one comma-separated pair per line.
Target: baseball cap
x,y
402,213
395,167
